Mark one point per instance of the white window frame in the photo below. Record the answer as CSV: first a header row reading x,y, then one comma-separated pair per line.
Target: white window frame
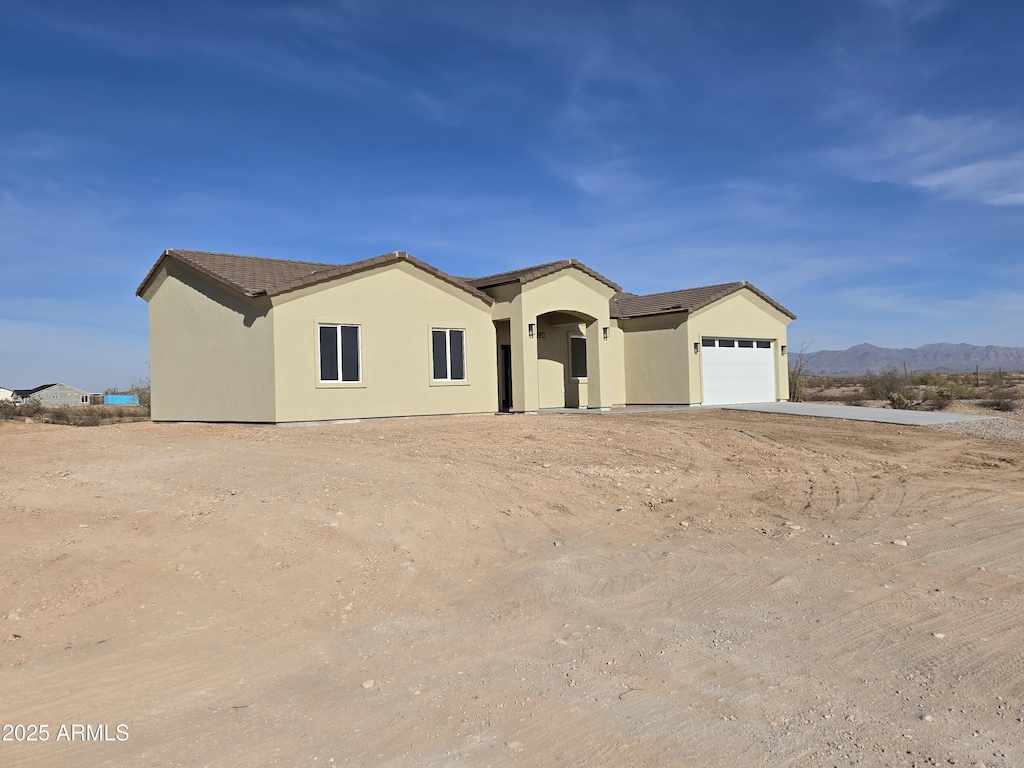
x,y
340,381
448,357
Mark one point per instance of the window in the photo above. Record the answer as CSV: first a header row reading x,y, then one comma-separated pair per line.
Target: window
x,y
746,344
339,353
764,345
448,352
707,342
727,342
577,357
85,399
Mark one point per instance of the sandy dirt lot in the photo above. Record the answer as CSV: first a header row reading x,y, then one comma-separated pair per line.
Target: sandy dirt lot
x,y
705,588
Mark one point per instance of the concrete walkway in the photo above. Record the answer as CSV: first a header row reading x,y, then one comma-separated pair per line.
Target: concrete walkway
x,y
858,413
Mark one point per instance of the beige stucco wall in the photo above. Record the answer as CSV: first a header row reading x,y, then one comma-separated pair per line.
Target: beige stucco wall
x,y
618,356
743,315
211,352
657,367
396,307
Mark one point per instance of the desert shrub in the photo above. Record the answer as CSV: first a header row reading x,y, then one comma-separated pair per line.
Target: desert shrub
x,y
87,417
941,397
797,377
1001,400
797,386
59,415
928,379
899,401
878,386
30,407
141,387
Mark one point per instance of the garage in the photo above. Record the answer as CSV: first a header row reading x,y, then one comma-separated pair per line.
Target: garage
x,y
738,371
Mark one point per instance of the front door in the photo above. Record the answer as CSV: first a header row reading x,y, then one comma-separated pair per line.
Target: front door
x,y
505,365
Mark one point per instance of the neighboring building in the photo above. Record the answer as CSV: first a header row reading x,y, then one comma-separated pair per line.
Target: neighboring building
x,y
6,394
52,395
238,338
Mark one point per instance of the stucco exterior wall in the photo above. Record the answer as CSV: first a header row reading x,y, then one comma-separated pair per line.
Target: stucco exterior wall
x,y
211,351
743,315
618,354
396,307
656,364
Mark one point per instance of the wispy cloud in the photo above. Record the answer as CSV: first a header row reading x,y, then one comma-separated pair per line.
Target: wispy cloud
x,y
912,11
967,158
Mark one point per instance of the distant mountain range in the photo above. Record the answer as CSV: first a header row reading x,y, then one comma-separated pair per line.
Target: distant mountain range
x,y
941,358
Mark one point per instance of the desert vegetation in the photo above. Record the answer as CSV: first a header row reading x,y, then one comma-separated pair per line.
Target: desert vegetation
x,y
927,390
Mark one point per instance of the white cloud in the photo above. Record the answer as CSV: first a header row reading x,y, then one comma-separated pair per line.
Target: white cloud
x,y
994,182
967,158
912,11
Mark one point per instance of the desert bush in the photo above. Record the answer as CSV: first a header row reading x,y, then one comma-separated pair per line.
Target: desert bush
x,y
878,386
899,401
797,377
141,387
30,407
58,415
1001,400
86,417
941,397
928,379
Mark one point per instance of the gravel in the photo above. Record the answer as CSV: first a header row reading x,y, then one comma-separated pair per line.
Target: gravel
x,y
995,429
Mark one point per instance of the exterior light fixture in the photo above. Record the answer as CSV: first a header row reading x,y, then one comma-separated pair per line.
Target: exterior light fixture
x,y
696,347
532,329
604,332
783,349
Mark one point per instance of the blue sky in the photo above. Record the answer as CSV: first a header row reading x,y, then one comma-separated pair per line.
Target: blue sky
x,y
862,161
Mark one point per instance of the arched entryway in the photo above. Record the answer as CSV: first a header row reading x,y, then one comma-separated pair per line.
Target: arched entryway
x,y
562,357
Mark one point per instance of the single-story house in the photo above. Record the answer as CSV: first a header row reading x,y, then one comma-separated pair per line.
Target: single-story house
x,y
53,395
6,394
245,339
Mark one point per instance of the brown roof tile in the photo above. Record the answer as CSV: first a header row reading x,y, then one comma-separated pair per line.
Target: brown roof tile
x,y
529,274
255,276
624,305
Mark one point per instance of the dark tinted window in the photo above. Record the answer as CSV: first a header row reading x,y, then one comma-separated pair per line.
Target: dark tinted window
x,y
764,345
746,344
439,341
727,342
458,353
577,357
328,353
350,353
707,342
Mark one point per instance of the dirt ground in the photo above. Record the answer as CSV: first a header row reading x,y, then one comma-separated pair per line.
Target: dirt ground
x,y
705,588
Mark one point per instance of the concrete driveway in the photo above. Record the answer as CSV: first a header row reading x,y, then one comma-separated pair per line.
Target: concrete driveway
x,y
858,413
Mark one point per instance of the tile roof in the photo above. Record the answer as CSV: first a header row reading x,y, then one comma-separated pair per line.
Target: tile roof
x,y
528,274
624,305
255,276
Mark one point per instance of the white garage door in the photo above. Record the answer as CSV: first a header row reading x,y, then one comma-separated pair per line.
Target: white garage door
x,y
738,371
